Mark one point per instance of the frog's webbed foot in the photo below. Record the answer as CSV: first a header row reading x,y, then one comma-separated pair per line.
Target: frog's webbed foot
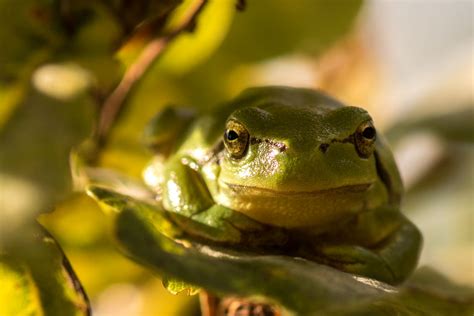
x,y
226,225
357,260
390,261
223,225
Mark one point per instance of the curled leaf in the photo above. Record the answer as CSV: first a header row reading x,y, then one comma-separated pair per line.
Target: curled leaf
x,y
145,233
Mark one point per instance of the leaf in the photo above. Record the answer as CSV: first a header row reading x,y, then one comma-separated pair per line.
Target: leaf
x,y
37,279
266,29
175,286
454,126
30,29
81,229
144,232
202,39
294,282
34,165
10,94
434,294
18,289
94,37
212,27
269,28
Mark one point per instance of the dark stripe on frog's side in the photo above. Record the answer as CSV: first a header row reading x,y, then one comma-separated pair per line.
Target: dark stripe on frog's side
x,y
218,148
349,139
387,171
384,175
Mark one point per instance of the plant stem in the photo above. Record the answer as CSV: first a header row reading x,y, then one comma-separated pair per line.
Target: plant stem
x,y
117,99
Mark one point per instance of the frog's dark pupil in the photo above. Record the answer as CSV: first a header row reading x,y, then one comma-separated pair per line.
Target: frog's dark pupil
x,y
369,132
232,135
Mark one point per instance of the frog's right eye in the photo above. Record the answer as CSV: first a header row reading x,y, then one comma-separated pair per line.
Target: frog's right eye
x,y
236,139
365,139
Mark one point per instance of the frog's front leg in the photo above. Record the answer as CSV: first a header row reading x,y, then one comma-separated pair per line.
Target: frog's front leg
x,y
390,260
190,203
164,131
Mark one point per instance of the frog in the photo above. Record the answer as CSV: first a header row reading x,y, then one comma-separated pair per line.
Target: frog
x,y
285,171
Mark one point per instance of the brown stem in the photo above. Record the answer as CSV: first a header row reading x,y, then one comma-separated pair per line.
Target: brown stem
x,y
208,303
116,100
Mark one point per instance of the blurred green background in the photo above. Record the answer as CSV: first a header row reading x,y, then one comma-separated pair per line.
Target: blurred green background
x,y
410,68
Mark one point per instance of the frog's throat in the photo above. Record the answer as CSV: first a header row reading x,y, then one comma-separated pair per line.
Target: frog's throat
x,y
252,190
292,209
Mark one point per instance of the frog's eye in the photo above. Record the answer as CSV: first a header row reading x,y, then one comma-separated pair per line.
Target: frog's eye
x,y
236,139
365,139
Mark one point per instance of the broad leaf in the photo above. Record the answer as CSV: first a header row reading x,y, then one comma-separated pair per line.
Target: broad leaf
x,y
37,279
144,232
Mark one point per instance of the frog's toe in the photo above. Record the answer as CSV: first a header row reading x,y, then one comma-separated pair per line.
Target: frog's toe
x,y
357,260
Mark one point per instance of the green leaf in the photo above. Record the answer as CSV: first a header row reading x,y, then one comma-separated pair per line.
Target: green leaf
x,y
30,29
266,29
18,289
454,126
10,94
37,279
270,28
432,293
202,39
212,26
93,42
294,282
34,165
146,234
175,286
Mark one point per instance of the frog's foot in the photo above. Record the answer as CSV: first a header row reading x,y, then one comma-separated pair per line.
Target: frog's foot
x,y
391,260
233,306
221,224
356,260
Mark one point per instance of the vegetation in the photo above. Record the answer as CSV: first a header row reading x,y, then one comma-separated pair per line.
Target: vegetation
x,y
78,82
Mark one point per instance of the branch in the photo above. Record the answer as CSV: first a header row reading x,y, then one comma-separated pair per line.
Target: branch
x,y
116,100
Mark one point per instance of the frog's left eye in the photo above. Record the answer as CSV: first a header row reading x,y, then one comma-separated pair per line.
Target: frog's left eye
x,y
236,139
365,139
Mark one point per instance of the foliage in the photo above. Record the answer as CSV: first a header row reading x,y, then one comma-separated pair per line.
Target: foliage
x,y
145,233
62,64
39,281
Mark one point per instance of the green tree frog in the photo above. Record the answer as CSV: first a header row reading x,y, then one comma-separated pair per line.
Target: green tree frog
x,y
286,171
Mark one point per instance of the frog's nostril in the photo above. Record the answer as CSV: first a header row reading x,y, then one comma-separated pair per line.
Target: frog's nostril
x,y
282,147
323,148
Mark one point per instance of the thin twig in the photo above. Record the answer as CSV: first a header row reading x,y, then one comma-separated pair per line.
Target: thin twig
x,y
116,100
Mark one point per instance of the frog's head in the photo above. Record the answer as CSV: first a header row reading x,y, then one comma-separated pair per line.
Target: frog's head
x,y
295,157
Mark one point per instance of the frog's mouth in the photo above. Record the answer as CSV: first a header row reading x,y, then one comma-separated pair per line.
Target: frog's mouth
x,y
252,190
291,209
